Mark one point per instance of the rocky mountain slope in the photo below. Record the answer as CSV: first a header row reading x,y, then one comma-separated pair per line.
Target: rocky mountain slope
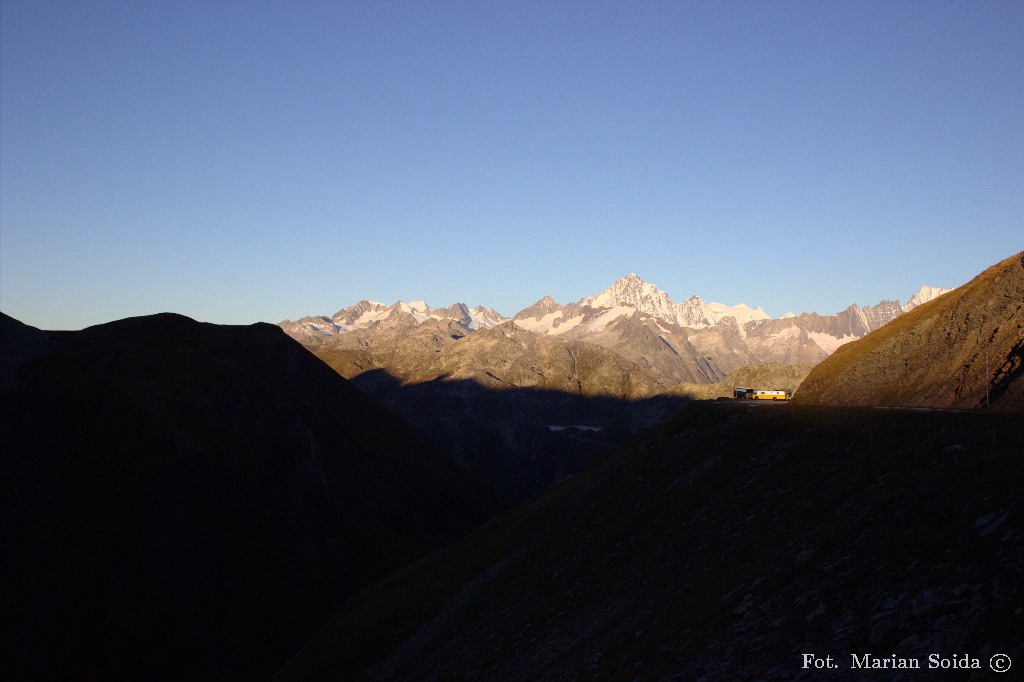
x,y
187,501
724,545
962,350
520,409
505,356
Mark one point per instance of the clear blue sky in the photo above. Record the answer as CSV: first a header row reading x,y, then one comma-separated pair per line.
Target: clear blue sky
x,y
242,161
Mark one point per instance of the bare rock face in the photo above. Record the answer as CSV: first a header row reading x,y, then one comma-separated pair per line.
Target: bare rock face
x,y
505,356
964,349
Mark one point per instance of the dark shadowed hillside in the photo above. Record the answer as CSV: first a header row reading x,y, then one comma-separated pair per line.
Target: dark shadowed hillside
x,y
188,501
964,349
723,545
521,410
522,440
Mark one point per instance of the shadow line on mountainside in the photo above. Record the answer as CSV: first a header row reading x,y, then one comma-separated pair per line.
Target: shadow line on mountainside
x,y
522,439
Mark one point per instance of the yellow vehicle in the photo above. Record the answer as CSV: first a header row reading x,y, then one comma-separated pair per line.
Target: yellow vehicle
x,y
741,393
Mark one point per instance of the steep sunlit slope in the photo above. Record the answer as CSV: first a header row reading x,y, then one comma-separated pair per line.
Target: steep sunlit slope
x,y
962,350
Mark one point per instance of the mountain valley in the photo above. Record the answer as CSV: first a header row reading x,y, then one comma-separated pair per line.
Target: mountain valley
x,y
736,538
448,494
486,388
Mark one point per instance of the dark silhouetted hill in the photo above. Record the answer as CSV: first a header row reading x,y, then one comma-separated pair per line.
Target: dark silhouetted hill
x,y
964,349
722,545
188,501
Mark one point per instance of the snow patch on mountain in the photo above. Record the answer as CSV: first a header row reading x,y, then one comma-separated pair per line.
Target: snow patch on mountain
x,y
551,324
484,318
787,333
316,326
605,318
829,343
741,312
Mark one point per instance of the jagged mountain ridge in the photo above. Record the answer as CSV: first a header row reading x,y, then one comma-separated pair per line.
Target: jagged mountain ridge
x,y
628,295
692,341
366,314
632,296
633,292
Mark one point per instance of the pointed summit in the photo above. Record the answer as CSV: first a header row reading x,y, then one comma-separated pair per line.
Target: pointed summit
x,y
634,292
539,309
923,295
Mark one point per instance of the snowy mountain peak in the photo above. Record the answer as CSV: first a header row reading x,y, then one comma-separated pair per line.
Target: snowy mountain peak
x,y
418,306
923,295
741,312
367,314
361,313
483,318
632,306
633,292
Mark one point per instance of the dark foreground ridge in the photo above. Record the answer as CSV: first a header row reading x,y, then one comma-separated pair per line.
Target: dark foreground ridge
x,y
189,501
724,545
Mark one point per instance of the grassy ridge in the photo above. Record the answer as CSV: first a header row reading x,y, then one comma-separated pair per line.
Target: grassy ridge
x,y
945,353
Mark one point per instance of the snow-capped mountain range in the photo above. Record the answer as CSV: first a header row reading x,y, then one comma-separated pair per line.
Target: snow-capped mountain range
x,y
367,314
691,341
628,296
631,291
